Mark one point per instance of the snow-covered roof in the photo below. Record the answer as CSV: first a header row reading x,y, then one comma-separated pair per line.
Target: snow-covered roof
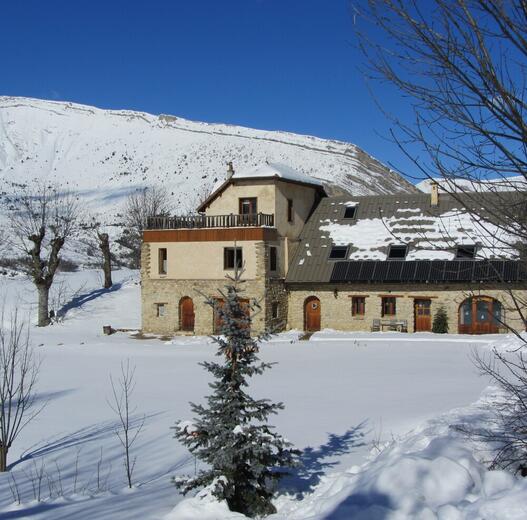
x,y
275,170
266,170
431,233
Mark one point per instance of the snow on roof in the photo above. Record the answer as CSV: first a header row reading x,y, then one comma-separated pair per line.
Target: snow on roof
x,y
277,170
430,238
430,232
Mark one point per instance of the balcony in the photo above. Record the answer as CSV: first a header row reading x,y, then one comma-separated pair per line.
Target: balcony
x,y
210,221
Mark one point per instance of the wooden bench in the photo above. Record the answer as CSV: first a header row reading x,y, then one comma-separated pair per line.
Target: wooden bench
x,y
379,325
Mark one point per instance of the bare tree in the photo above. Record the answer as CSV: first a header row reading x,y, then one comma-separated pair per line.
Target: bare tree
x,y
43,221
506,429
148,202
200,195
104,246
460,66
96,237
121,404
19,371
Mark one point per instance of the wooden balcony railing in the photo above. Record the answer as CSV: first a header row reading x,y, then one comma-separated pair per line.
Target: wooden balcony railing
x,y
211,221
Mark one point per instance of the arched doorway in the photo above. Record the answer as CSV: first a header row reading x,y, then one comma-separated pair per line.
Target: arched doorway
x,y
219,303
312,314
186,314
480,315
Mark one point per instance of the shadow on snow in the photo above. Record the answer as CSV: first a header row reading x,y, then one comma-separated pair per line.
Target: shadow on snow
x,y
314,461
95,432
80,300
28,511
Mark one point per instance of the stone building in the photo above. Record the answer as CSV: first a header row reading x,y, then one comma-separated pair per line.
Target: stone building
x,y
365,263
253,219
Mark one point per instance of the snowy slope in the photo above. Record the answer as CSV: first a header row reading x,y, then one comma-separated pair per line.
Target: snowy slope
x,y
105,154
502,184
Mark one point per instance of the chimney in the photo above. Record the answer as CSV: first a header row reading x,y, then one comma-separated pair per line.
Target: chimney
x,y
434,194
230,170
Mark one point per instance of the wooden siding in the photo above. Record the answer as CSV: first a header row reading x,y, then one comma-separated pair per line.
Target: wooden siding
x,y
209,235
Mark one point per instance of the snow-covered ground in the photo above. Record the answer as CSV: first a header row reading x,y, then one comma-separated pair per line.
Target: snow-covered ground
x,y
347,397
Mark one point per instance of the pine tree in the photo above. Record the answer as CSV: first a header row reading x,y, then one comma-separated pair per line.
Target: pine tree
x,y
440,325
231,434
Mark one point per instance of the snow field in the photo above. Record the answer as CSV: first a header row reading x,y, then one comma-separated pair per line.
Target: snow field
x,y
346,396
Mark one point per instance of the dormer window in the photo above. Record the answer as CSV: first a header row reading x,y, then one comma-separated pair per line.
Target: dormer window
x,y
466,252
338,252
350,212
397,252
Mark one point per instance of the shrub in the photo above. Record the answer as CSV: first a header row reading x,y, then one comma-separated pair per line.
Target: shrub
x,y
440,325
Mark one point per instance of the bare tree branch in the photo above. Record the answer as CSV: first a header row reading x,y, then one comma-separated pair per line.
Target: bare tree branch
x,y
19,371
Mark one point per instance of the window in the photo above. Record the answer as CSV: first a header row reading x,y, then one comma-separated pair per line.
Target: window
x,y
466,251
163,260
232,257
290,210
350,211
338,252
160,309
275,310
397,252
358,305
273,259
388,306
248,206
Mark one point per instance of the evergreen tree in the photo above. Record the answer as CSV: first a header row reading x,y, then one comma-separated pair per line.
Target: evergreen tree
x,y
440,325
231,434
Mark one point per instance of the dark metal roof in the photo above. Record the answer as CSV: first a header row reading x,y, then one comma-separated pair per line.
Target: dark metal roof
x,y
411,217
429,271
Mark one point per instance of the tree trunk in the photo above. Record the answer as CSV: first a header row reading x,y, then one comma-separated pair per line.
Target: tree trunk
x,y
3,459
43,304
104,246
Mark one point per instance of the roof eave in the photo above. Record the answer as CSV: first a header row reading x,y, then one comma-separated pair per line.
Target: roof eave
x,y
203,206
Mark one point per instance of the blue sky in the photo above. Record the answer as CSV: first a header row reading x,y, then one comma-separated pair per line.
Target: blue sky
x,y
272,64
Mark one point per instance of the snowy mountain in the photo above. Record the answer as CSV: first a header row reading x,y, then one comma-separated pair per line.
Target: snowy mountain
x,y
501,184
105,154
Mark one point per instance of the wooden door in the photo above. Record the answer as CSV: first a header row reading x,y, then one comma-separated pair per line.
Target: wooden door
x,y
483,313
480,315
312,314
422,315
218,321
186,314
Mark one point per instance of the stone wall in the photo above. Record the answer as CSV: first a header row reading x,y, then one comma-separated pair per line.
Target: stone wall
x,y
169,292
335,304
276,294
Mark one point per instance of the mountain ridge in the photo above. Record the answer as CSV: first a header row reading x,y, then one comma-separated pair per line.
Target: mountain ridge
x,y
104,155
